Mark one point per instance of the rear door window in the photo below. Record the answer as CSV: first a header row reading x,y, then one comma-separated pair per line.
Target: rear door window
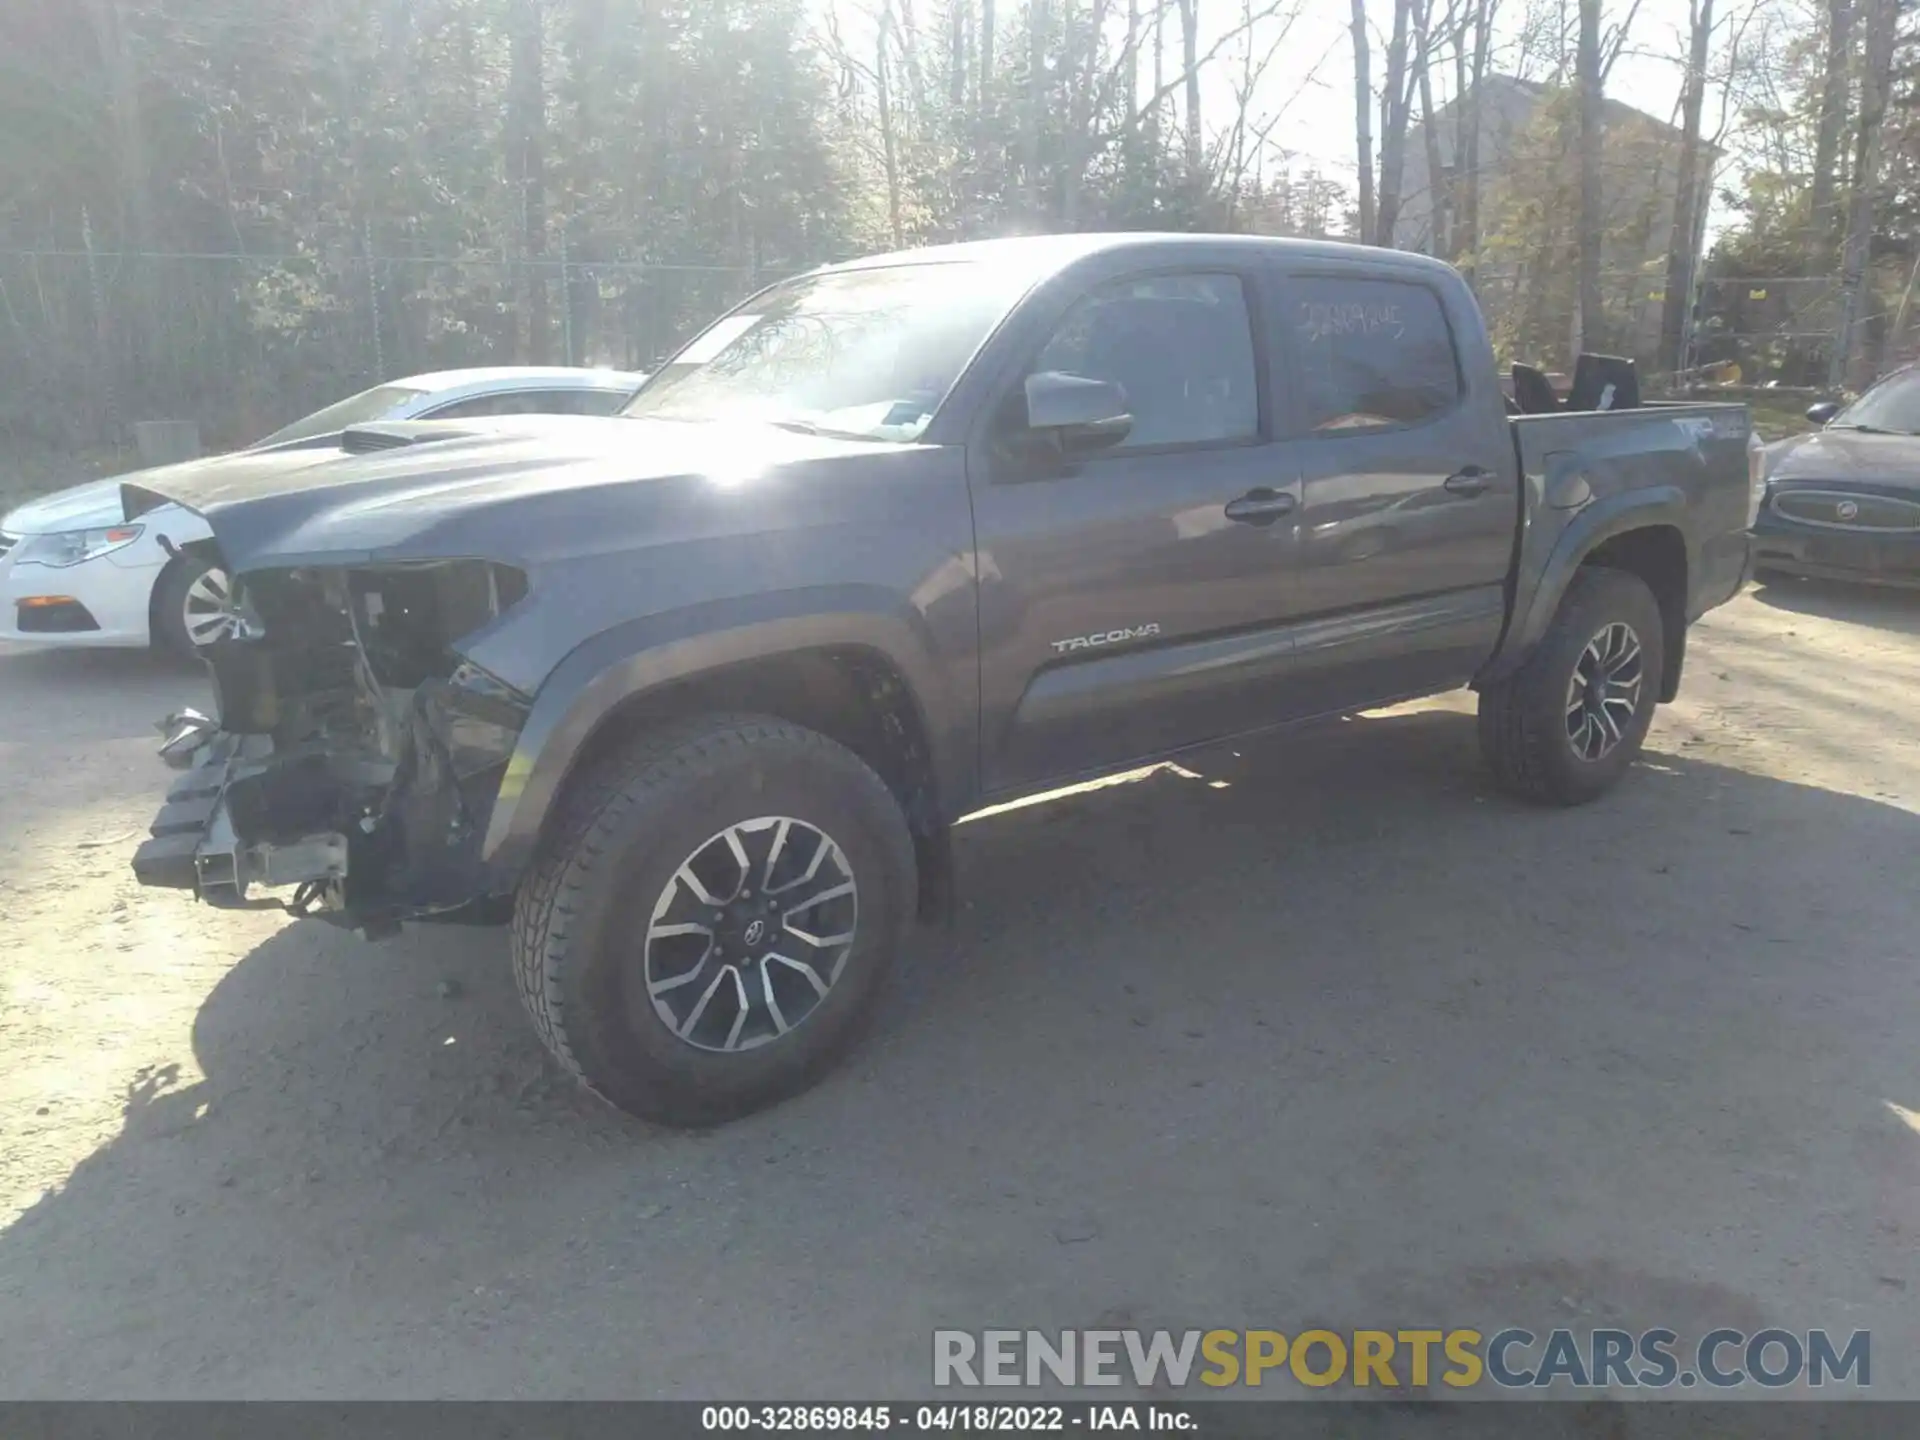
x,y
1367,354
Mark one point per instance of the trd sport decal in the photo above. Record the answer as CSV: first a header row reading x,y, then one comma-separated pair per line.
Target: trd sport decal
x,y
1106,637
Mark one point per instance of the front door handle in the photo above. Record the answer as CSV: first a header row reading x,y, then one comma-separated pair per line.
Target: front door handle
x,y
1260,507
1470,481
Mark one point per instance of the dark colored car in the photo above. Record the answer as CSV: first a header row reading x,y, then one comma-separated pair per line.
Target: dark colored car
x,y
694,695
1844,502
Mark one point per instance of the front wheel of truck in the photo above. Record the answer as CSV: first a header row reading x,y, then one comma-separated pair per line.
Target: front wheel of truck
x,y
713,917
1563,729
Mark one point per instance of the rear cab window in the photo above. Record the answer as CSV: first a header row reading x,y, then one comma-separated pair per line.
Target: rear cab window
x,y
1364,354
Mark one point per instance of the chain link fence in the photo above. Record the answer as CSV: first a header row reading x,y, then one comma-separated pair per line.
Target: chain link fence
x,y
93,342
1746,331
1767,331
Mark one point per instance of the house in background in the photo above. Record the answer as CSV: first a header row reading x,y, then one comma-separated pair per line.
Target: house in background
x,y
1528,191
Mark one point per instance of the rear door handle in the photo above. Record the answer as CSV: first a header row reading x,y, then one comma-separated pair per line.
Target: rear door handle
x,y
1260,507
1470,481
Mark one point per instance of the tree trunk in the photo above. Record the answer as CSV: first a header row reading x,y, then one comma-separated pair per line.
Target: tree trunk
x,y
1831,125
109,25
1681,244
526,160
1190,54
889,147
1036,106
586,38
909,30
987,22
1851,363
1592,222
1439,187
1133,63
957,58
1466,159
1362,117
1393,127
1159,89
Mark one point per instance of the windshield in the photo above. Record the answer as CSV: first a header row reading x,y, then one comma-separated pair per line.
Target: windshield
x,y
1893,404
374,404
864,353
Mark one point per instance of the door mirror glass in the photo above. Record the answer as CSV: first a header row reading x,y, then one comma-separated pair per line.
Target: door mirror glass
x,y
1823,412
1076,413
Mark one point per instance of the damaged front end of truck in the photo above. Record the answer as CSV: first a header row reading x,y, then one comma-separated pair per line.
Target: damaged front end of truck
x,y
357,753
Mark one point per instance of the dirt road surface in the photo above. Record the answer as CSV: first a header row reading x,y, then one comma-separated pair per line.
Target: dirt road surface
x,y
1320,1033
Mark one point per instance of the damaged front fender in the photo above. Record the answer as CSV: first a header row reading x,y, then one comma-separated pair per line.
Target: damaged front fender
x,y
358,754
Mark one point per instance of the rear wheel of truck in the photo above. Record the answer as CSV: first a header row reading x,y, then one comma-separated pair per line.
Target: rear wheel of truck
x,y
713,917
1564,728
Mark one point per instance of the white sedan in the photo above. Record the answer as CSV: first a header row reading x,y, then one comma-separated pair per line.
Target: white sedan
x,y
74,572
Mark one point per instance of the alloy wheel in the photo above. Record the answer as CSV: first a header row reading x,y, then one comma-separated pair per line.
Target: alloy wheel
x,y
1604,691
206,610
750,934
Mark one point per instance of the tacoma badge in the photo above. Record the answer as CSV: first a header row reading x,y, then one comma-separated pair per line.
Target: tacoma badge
x,y
1108,637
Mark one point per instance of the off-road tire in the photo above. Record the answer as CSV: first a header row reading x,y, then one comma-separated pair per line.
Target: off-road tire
x,y
625,827
1523,718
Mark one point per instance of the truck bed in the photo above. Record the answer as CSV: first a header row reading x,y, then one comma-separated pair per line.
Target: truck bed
x,y
1585,464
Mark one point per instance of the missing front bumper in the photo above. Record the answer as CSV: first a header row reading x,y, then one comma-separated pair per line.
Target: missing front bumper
x,y
196,846
349,836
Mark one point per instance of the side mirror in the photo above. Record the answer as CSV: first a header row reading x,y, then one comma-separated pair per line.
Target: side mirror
x,y
1075,414
1823,412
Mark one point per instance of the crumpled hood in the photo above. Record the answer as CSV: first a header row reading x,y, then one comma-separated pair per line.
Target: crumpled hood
x,y
1848,456
517,488
84,507
92,506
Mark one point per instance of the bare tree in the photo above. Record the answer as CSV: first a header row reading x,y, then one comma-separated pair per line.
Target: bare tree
x,y
1190,56
1394,105
1477,19
956,56
1681,244
987,22
1875,77
1363,117
1587,73
108,21
1831,124
1035,118
1439,189
889,139
526,158
1246,139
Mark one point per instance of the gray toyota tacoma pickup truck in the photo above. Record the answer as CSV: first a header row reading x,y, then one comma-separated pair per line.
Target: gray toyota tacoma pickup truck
x,y
691,697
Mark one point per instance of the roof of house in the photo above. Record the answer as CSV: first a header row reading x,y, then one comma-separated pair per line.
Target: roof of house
x,y
1538,89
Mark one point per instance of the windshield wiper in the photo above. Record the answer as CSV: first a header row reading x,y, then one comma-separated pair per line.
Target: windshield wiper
x,y
1868,429
814,427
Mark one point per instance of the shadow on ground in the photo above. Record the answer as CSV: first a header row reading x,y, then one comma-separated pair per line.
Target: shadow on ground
x,y
1318,1034
1883,607
91,695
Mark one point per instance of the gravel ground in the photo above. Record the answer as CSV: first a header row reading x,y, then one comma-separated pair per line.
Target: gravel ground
x,y
1319,1033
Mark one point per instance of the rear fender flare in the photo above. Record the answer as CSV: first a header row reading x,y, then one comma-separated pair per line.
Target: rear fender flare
x,y
1589,528
640,656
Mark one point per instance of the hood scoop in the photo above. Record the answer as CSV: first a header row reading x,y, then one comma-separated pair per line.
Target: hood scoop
x,y
360,439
